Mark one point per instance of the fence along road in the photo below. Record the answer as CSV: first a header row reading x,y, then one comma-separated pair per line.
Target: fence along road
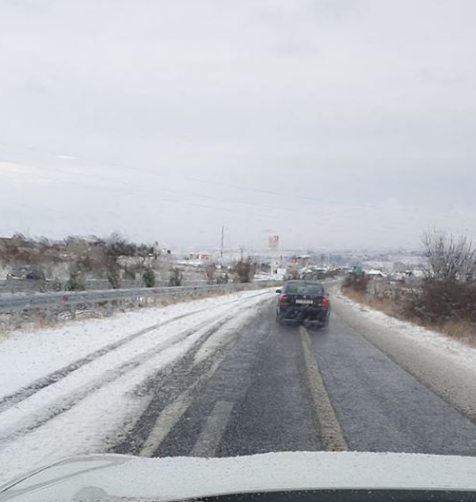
x,y
54,303
51,286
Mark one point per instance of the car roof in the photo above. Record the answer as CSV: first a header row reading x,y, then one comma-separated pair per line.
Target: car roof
x,y
301,281
311,283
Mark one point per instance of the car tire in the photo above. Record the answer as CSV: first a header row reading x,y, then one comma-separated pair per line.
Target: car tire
x,y
325,324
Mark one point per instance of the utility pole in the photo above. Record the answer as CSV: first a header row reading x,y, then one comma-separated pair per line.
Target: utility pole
x,y
222,243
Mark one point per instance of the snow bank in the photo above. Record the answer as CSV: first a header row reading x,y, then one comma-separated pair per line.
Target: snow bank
x,y
90,407
459,351
28,355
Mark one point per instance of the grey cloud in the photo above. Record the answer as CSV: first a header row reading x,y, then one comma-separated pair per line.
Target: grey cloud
x,y
235,106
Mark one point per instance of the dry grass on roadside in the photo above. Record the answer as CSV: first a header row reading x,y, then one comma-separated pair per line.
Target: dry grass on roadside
x,y
382,304
461,330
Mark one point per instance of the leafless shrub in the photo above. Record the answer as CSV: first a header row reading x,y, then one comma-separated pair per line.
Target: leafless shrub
x,y
113,276
210,270
448,292
245,271
356,281
176,277
76,280
129,273
149,277
436,302
117,246
222,278
449,258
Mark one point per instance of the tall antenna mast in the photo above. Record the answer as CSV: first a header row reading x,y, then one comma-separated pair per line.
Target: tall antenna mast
x,y
222,242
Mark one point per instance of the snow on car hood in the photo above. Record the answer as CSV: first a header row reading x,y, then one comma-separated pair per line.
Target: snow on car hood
x,y
107,477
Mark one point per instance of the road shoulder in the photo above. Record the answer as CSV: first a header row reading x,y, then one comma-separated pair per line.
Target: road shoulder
x,y
446,368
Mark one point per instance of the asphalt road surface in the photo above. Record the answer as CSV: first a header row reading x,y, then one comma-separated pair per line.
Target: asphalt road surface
x,y
286,388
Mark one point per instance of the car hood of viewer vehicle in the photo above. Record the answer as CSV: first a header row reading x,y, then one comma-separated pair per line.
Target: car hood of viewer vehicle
x,y
113,477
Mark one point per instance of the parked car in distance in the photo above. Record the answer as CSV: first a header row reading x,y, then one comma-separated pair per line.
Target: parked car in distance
x,y
303,302
26,273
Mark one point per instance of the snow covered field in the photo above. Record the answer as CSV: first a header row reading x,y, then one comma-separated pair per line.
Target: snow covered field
x,y
73,389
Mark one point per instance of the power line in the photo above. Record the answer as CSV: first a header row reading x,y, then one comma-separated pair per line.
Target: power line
x,y
312,222
209,197
274,193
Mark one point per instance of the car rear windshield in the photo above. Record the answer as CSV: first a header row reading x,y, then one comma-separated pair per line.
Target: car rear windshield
x,y
304,289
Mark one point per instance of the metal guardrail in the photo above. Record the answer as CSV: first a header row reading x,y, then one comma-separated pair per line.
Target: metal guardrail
x,y
54,303
25,286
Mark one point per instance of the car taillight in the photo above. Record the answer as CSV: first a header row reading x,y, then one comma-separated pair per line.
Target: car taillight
x,y
325,303
283,299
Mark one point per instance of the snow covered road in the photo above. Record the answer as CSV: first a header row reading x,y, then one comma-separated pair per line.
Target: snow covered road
x,y
219,377
75,389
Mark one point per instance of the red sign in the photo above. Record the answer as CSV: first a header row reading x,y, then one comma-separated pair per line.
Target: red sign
x,y
273,241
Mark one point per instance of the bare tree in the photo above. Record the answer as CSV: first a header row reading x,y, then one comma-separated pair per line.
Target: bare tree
x,y
449,258
358,281
149,277
449,290
76,280
117,246
210,270
176,277
245,271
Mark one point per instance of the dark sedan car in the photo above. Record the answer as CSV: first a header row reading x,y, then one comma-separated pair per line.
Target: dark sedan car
x,y
303,302
26,273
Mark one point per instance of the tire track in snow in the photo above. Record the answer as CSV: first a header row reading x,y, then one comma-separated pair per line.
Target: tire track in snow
x,y
38,419
19,425
14,398
169,383
25,392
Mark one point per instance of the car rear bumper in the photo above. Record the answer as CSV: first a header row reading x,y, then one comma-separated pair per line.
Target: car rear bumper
x,y
303,313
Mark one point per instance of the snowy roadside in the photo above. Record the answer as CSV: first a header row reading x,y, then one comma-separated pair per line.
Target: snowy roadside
x,y
76,389
443,364
48,310
460,351
26,355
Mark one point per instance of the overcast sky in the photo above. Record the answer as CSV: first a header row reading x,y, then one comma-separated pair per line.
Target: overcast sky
x,y
333,123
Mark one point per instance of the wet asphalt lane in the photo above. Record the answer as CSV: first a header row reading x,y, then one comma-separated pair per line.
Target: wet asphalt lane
x,y
254,396
380,406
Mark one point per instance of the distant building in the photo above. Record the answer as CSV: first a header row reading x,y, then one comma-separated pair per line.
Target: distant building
x,y
200,257
301,260
375,273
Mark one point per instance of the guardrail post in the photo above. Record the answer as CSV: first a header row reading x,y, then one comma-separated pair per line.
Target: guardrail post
x,y
18,315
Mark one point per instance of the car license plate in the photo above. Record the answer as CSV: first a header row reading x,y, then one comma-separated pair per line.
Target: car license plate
x,y
304,302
